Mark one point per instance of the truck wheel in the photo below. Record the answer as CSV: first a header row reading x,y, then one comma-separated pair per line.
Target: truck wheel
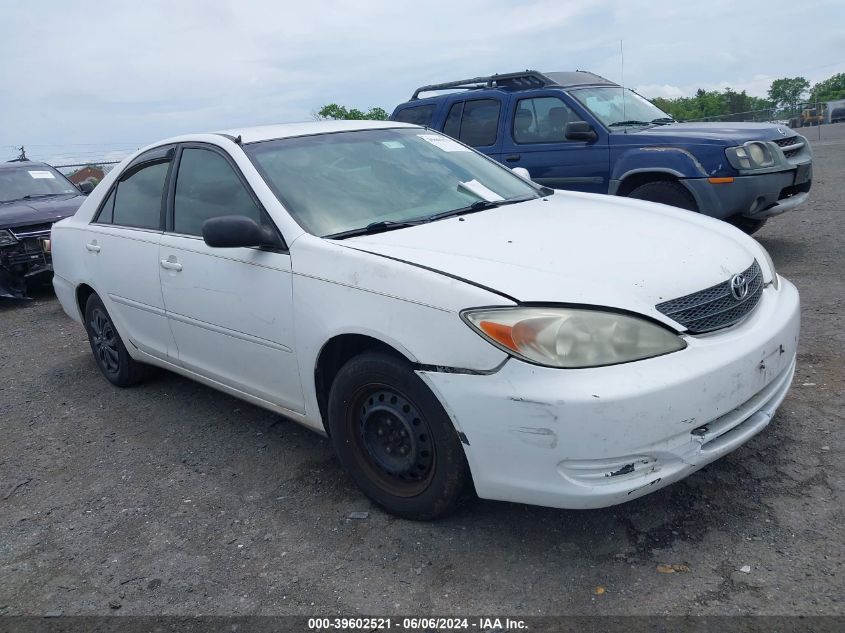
x,y
665,192
747,225
395,440
114,361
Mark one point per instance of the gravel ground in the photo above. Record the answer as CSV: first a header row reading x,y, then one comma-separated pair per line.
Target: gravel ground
x,y
171,498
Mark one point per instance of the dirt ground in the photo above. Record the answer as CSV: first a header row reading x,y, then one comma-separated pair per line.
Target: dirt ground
x,y
171,498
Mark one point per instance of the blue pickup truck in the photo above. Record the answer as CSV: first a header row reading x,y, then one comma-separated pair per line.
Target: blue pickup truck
x,y
579,131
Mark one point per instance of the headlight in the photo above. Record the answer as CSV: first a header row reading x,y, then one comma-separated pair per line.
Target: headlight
x,y
6,238
751,155
572,337
771,264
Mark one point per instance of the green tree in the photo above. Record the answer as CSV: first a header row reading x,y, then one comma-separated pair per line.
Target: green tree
x,y
788,91
830,89
335,111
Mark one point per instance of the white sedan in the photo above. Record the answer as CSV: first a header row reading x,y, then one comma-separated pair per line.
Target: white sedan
x,y
450,325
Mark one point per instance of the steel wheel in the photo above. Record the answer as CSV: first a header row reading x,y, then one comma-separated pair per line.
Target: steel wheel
x,y
394,440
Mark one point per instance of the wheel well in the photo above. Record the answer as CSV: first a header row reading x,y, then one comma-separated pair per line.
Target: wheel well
x,y
335,353
83,291
635,180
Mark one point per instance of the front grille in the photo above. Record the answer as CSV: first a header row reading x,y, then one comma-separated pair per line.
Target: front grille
x,y
715,307
791,146
33,230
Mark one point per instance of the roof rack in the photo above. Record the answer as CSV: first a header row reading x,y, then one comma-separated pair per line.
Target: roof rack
x,y
520,81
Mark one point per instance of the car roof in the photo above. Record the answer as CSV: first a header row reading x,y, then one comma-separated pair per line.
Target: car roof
x,y
288,130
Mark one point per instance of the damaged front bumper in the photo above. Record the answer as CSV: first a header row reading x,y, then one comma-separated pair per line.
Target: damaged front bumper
x,y
589,438
26,262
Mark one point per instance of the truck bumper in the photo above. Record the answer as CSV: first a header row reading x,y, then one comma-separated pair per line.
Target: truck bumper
x,y
758,196
588,438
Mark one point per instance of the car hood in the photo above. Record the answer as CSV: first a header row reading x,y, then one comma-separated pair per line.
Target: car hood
x,y
578,249
39,210
728,133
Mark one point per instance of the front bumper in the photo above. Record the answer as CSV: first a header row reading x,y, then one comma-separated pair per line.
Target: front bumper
x,y
591,438
758,196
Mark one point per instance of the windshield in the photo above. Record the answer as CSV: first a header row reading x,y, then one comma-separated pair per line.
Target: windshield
x,y
606,103
32,182
335,183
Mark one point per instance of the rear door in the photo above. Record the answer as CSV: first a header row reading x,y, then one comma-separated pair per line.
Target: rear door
x,y
536,140
230,309
121,250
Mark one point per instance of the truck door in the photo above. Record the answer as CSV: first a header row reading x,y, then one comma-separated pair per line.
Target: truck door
x,y
476,122
536,140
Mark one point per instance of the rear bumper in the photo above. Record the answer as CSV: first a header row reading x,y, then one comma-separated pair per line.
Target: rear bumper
x,y
591,438
760,196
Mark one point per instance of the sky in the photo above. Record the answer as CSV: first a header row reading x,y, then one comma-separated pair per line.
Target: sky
x,y
84,81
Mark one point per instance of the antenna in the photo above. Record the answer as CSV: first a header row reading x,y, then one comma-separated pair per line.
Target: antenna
x,y
622,78
23,153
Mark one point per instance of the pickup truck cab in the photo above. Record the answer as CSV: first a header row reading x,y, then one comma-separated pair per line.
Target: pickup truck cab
x,y
579,131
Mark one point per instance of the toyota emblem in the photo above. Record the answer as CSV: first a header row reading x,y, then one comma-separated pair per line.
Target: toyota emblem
x,y
739,287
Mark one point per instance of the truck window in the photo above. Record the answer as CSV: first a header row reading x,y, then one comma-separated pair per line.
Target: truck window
x,y
418,115
474,122
542,120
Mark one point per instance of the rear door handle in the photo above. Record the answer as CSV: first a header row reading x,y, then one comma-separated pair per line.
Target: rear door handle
x,y
171,263
513,158
93,247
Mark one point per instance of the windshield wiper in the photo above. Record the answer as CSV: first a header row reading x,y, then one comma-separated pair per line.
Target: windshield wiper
x,y
621,123
374,227
664,120
479,205
30,196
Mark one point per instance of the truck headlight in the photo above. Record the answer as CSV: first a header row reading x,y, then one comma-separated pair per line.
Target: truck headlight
x,y
751,155
572,337
6,238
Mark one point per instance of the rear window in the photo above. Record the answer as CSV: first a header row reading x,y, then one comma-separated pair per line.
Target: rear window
x,y
418,115
474,122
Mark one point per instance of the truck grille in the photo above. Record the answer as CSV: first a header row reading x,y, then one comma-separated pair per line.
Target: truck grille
x,y
715,307
791,146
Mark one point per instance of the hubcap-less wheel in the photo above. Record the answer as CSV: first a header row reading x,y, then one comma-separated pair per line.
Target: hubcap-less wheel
x,y
395,440
104,341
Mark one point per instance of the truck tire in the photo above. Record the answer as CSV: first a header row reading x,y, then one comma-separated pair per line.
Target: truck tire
x,y
665,192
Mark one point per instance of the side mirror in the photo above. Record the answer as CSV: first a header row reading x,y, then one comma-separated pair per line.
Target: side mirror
x,y
232,231
521,172
580,131
86,187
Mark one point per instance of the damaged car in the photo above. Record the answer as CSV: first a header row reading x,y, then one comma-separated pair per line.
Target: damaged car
x,y
451,326
33,195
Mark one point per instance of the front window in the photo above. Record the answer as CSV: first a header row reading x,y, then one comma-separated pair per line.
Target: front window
x,y
35,181
619,107
335,183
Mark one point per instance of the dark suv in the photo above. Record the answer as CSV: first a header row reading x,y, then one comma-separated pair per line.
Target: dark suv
x,y
579,131
33,196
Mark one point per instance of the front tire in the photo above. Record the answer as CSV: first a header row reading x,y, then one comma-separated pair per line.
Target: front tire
x,y
395,440
665,192
110,353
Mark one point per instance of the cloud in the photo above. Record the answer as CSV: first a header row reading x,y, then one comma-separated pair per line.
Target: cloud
x,y
84,77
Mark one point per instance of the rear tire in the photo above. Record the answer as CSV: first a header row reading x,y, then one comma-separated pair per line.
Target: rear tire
x,y
665,192
110,353
395,440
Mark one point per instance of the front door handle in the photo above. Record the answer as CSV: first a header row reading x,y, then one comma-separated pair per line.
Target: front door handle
x,y
513,158
171,263
93,247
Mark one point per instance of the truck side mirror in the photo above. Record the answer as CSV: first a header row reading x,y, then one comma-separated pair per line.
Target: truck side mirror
x,y
580,131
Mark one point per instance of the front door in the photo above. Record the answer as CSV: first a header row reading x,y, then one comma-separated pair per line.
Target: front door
x,y
537,141
230,309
